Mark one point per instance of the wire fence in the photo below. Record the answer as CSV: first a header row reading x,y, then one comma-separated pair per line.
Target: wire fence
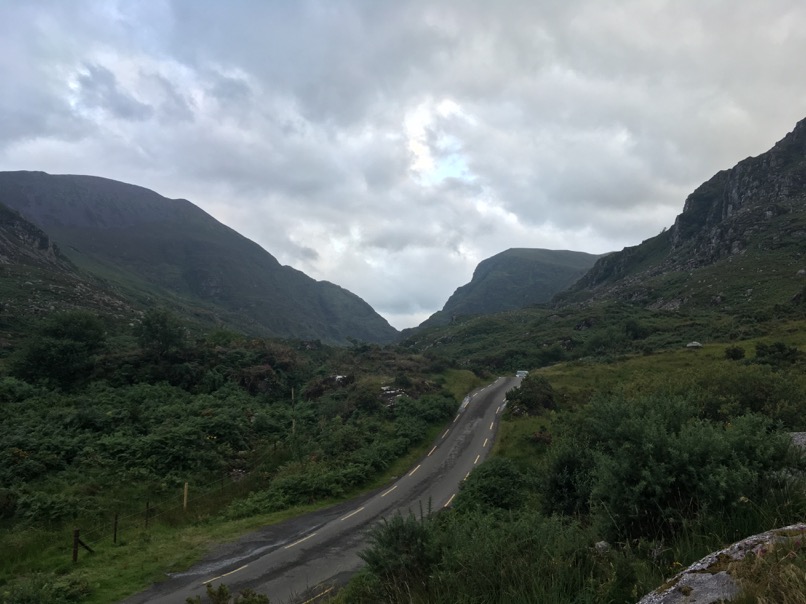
x,y
188,503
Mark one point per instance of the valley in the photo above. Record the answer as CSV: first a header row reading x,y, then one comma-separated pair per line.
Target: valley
x,y
148,352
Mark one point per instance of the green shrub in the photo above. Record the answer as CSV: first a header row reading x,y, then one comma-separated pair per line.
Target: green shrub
x,y
221,595
498,483
724,391
776,354
535,394
403,554
45,589
647,466
734,353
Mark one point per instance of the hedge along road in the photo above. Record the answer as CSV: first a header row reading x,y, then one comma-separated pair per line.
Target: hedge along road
x,y
303,559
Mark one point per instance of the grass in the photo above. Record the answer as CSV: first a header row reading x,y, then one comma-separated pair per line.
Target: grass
x,y
577,380
461,381
776,577
174,541
514,442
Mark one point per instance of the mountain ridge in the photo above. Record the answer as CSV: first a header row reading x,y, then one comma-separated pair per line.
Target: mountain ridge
x,y
735,216
156,247
512,279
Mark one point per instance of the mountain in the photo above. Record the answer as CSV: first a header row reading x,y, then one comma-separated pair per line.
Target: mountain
x,y
36,278
740,241
22,243
731,267
513,279
169,251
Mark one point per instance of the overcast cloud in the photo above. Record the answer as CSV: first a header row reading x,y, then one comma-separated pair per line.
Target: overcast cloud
x,y
389,146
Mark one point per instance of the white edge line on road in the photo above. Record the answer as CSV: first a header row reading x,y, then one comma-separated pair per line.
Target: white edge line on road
x,y
447,503
415,469
353,513
431,451
317,596
491,425
300,541
446,433
485,442
224,575
389,491
455,418
477,459
466,476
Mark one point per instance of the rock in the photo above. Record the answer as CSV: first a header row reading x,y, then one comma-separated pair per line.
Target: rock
x,y
700,588
709,580
601,547
798,438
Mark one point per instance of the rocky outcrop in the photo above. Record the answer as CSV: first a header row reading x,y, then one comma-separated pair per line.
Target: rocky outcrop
x,y
718,214
23,243
714,578
759,203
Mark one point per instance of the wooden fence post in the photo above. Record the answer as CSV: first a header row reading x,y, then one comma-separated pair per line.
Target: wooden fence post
x,y
185,499
115,530
76,542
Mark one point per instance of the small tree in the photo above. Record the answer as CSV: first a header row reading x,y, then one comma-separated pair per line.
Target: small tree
x,y
403,552
734,353
62,354
160,332
535,394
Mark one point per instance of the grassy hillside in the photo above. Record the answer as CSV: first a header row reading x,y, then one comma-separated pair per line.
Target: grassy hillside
x,y
626,455
101,421
153,248
513,279
618,474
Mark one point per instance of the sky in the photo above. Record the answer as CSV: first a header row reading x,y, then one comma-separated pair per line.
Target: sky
x,y
389,146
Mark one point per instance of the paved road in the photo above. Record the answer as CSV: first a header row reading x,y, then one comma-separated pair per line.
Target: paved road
x,y
302,559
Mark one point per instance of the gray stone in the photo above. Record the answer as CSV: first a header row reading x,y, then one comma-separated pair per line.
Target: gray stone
x,y
705,581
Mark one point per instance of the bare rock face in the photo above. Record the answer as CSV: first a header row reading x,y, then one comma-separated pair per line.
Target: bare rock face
x,y
756,205
720,214
711,579
22,242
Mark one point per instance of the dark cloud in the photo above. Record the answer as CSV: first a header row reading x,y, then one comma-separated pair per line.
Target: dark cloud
x,y
174,105
99,89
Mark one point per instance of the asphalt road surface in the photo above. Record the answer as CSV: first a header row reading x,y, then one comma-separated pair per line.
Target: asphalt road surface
x,y
304,559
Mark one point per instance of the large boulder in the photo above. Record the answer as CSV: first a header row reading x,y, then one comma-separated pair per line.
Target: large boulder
x,y
712,579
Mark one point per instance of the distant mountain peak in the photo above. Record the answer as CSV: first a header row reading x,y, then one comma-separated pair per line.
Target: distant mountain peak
x,y
755,207
156,248
513,279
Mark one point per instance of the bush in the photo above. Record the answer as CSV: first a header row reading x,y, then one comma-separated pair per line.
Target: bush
x,y
62,353
403,554
734,353
535,394
497,484
776,354
45,589
646,467
725,391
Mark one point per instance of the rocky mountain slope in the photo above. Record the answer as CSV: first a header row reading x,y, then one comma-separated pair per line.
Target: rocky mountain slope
x,y
741,236
36,278
169,251
513,279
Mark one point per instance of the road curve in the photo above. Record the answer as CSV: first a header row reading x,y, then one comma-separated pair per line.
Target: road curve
x,y
302,559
